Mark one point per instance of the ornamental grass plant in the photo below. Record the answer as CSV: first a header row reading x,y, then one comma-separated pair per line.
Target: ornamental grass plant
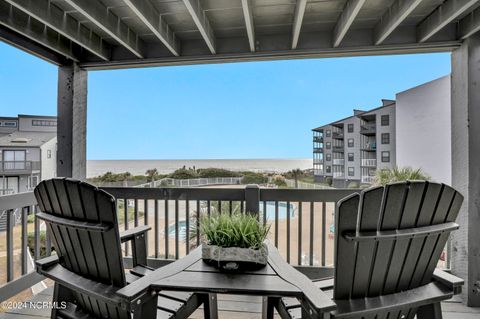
x,y
235,230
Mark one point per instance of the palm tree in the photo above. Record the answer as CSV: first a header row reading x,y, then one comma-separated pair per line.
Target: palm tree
x,y
296,173
398,174
152,174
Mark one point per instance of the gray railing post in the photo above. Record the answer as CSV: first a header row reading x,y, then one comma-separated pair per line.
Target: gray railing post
x,y
10,225
252,199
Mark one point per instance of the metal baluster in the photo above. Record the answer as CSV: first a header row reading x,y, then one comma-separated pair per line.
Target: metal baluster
x,y
300,233
219,206
10,225
156,229
166,235
312,221
24,240
276,224
125,226
324,231
135,213
264,212
187,225
198,223
37,234
145,221
288,232
177,254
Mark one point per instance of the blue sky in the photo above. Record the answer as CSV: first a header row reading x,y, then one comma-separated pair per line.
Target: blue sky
x,y
237,110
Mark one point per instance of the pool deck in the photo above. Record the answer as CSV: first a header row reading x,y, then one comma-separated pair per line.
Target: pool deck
x,y
232,307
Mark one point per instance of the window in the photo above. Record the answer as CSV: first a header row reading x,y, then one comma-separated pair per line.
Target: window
x,y
329,133
351,171
44,123
385,138
329,169
385,120
8,123
350,157
329,157
385,157
350,142
49,153
13,160
328,145
350,128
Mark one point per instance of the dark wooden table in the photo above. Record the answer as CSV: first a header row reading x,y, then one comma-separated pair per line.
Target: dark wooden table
x,y
277,279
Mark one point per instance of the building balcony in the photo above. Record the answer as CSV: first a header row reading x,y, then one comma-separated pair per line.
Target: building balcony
x,y
317,161
338,174
372,147
338,149
369,162
318,149
368,179
337,135
368,129
339,161
318,139
19,167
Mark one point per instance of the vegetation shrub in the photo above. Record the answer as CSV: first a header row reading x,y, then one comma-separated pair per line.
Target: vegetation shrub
x,y
236,230
216,172
254,178
399,174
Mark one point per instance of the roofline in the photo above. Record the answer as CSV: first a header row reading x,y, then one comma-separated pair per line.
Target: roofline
x,y
37,116
8,118
358,115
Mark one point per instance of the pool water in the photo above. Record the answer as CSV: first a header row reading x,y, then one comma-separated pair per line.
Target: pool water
x,y
282,210
282,214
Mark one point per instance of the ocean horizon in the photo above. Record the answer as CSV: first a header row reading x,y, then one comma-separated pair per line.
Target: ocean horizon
x,y
139,167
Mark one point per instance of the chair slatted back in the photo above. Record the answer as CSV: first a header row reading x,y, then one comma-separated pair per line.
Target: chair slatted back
x,y
87,252
378,267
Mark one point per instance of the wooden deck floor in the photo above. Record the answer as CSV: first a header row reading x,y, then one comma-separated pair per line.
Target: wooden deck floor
x,y
232,307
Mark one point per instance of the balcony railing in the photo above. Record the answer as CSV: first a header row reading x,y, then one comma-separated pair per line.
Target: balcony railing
x,y
338,161
368,129
19,166
338,149
318,139
318,161
369,147
338,174
368,179
337,135
369,162
318,149
301,224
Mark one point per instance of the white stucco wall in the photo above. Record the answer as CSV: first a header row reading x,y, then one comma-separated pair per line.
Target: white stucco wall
x,y
423,129
49,164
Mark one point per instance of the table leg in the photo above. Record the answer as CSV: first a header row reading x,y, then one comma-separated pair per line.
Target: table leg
x,y
210,307
268,307
147,310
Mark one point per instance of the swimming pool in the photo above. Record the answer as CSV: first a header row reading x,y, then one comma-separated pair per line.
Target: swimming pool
x,y
282,210
282,214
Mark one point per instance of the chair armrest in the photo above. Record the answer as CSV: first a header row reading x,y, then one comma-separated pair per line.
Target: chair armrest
x,y
71,280
47,262
449,280
131,233
138,237
412,298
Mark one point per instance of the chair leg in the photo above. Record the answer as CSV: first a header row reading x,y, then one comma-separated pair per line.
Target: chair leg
x,y
60,294
210,306
431,311
268,307
147,310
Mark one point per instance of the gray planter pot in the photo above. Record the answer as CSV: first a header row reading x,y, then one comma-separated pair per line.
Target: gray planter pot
x,y
235,258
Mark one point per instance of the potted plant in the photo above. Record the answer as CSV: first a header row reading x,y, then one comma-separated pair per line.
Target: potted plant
x,y
234,242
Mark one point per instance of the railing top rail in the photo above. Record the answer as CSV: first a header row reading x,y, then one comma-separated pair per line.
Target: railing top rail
x,y
14,201
305,195
193,193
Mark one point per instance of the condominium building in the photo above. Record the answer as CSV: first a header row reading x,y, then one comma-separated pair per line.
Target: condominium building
x,y
352,149
28,153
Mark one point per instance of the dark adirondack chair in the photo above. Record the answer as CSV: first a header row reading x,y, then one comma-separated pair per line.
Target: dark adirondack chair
x,y
388,242
88,267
